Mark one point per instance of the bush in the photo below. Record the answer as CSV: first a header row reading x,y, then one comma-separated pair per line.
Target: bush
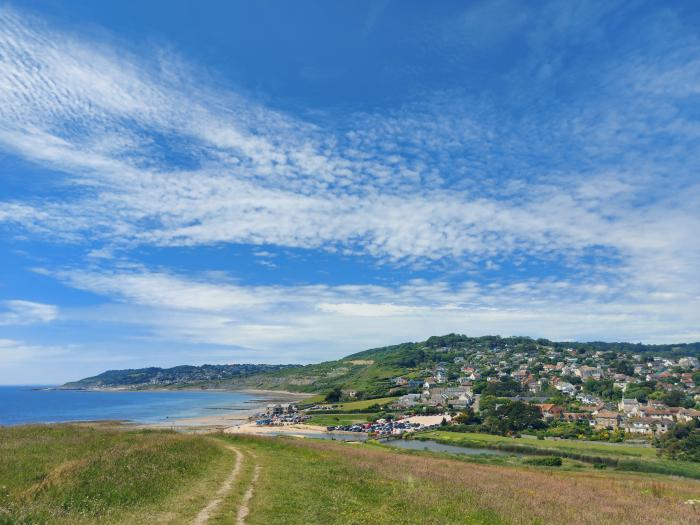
x,y
334,395
548,461
681,442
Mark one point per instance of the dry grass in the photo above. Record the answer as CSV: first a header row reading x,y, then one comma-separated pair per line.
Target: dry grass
x,y
80,475
498,493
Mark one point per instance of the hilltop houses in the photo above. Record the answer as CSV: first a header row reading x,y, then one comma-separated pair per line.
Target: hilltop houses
x,y
591,389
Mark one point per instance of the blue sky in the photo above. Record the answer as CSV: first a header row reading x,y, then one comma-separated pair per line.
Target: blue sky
x,y
216,182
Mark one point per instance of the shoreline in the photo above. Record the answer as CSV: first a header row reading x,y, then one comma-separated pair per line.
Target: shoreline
x,y
202,420
186,389
234,417
301,430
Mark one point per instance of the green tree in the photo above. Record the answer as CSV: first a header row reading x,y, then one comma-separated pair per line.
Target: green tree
x,y
503,388
467,417
334,395
681,442
504,416
676,398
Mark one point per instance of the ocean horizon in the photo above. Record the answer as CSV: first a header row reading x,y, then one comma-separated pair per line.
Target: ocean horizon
x,y
26,404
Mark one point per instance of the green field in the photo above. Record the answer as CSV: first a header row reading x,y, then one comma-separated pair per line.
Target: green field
x,y
69,474
570,445
327,420
365,403
621,456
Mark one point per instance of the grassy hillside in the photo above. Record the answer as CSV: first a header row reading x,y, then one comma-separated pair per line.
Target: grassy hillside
x,y
368,372
177,376
79,474
308,481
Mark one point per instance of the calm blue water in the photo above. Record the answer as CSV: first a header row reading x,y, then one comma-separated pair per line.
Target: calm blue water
x,y
21,404
434,446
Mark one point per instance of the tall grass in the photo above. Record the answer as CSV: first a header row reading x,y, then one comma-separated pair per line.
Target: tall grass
x,y
74,474
309,481
68,474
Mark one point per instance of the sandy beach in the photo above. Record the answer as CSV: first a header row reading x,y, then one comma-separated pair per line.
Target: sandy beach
x,y
292,430
233,418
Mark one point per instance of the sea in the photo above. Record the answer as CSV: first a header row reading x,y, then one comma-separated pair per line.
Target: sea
x,y
40,404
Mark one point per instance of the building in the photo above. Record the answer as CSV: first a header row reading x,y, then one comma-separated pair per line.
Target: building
x,y
588,372
607,419
566,388
647,425
280,409
575,417
628,406
689,362
407,401
550,411
686,415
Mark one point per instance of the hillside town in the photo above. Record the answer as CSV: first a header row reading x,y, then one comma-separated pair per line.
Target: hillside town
x,y
552,392
626,393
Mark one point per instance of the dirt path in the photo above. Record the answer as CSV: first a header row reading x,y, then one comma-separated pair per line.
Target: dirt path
x,y
204,515
243,510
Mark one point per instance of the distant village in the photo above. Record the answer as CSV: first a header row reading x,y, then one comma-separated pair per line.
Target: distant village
x,y
633,394
559,392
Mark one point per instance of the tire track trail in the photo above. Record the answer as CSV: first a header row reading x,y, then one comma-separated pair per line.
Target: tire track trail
x,y
244,509
226,487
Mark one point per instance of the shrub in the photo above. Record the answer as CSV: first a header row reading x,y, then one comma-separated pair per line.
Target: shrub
x,y
548,461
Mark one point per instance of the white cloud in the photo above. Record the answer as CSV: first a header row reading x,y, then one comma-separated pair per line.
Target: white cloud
x,y
261,177
19,312
321,322
446,180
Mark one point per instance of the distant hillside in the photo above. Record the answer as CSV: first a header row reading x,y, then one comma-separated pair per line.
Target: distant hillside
x,y
184,375
369,373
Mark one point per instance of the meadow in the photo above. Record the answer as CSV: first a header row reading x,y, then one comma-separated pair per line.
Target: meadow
x,y
79,474
326,420
82,474
364,404
349,412
618,455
